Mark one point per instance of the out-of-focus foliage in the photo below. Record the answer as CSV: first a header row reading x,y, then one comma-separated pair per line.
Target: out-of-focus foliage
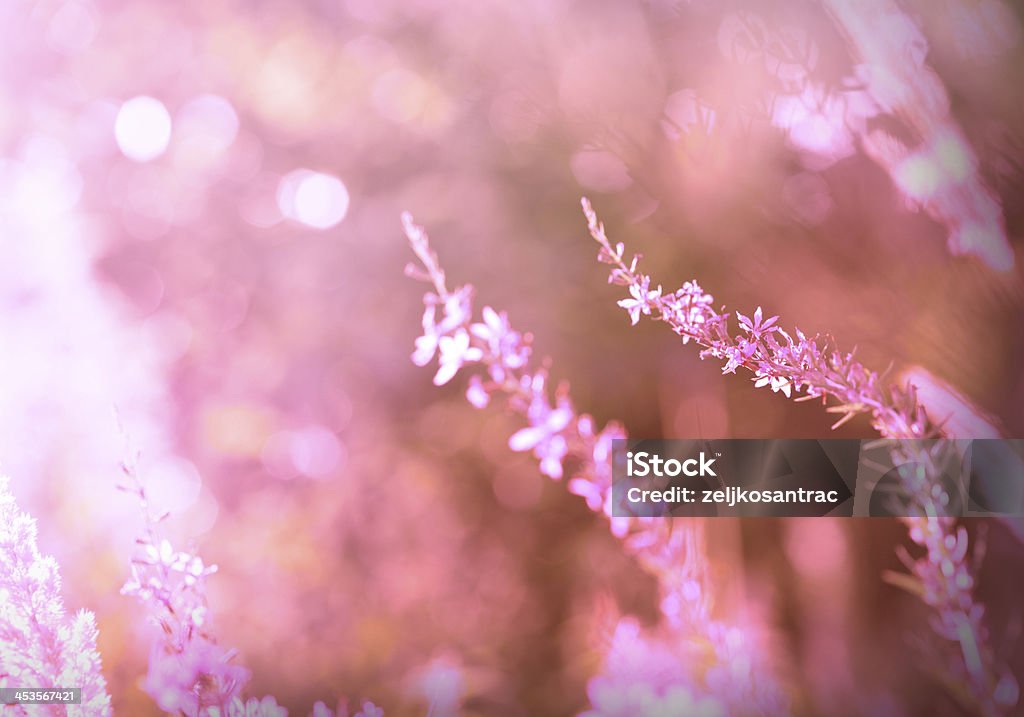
x,y
41,645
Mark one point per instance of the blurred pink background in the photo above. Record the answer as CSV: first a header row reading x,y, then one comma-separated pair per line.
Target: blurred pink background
x,y
201,259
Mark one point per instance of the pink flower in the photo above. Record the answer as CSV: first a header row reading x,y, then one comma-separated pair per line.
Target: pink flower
x,y
737,355
764,377
321,710
590,491
642,299
456,315
507,347
426,345
369,710
476,392
267,707
441,685
457,309
544,434
183,682
455,351
253,707
756,328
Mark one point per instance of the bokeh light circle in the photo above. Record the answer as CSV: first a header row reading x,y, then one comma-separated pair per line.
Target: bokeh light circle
x,y
143,128
315,199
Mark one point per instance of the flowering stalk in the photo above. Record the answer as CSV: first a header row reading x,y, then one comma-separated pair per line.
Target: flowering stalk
x,y
720,675
40,646
189,673
814,366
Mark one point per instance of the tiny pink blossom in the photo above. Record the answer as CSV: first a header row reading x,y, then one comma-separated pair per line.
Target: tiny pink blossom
x,y
778,383
589,491
757,328
507,346
544,434
455,351
641,302
369,710
253,707
426,345
476,393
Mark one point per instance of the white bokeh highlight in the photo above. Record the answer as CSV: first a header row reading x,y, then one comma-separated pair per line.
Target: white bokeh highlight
x,y
315,199
143,128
